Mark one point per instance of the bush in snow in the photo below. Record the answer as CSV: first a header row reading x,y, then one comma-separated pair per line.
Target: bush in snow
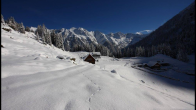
x,y
142,81
113,71
68,58
2,46
60,57
37,58
74,59
8,30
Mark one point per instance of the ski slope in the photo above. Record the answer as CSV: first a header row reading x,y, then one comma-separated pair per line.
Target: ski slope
x,y
33,78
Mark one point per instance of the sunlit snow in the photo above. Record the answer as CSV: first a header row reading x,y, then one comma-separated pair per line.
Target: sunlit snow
x,y
34,77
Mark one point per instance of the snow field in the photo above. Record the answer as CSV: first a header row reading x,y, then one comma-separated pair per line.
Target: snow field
x,y
33,78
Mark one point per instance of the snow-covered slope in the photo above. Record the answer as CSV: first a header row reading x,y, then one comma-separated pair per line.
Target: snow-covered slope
x,y
179,31
20,48
101,37
33,78
123,40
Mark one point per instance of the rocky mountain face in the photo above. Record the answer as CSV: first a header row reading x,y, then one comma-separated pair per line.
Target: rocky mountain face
x,y
82,36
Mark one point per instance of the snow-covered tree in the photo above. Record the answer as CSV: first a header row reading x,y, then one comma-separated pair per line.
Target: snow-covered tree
x,y
140,51
21,28
66,46
43,29
12,23
37,36
2,19
27,29
153,50
48,38
39,30
59,41
128,52
43,38
11,20
53,37
182,56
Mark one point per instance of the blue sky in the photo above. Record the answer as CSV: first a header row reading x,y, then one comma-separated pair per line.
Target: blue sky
x,y
126,16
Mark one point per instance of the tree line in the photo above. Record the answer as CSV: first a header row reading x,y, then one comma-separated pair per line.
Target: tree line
x,y
163,48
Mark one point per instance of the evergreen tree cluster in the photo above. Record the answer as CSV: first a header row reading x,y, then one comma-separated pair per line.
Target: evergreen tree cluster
x,y
52,38
2,19
27,29
179,53
14,25
89,48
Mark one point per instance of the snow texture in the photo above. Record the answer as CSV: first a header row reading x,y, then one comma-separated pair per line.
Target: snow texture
x,y
32,78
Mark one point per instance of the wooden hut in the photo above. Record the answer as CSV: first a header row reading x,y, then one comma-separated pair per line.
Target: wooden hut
x,y
89,58
153,64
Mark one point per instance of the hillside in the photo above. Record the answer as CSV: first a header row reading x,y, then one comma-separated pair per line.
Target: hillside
x,y
33,78
178,33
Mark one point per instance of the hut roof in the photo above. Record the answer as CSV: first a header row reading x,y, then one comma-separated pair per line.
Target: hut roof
x,y
152,63
87,56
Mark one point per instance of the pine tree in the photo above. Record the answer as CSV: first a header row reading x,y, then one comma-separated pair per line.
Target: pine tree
x,y
48,38
53,37
21,28
37,38
11,20
43,29
153,49
43,38
39,30
59,41
143,52
128,53
66,45
2,19
182,56
27,29
12,23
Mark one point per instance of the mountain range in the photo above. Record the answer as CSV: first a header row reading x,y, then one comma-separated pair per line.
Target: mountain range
x,y
82,36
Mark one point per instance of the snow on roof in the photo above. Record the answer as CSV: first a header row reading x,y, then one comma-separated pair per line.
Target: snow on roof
x,y
87,56
152,63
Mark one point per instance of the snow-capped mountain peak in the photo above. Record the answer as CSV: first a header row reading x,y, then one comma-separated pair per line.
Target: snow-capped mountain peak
x,y
96,37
